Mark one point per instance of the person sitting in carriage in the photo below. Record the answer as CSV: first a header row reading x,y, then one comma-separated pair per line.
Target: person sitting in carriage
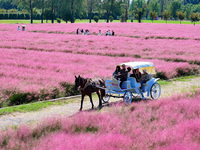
x,y
145,76
123,74
136,74
128,70
116,73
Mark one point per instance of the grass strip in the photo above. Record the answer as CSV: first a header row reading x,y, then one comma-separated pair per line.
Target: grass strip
x,y
32,106
100,21
181,79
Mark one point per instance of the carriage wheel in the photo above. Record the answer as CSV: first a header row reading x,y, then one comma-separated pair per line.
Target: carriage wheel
x,y
155,91
106,99
128,97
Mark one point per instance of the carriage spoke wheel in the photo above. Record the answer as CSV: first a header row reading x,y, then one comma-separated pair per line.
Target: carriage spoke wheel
x,y
128,97
106,98
155,91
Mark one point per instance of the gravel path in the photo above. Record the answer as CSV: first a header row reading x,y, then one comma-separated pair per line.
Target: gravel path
x,y
69,109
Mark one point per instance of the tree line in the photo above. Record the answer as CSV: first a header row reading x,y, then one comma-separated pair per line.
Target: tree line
x,y
70,10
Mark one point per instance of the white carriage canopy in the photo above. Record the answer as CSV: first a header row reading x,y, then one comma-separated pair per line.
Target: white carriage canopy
x,y
148,66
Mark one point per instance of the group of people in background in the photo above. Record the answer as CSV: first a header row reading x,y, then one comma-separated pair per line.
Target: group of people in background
x,y
108,32
23,28
82,32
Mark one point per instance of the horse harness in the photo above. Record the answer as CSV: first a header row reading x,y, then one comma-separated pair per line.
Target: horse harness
x,y
90,81
86,84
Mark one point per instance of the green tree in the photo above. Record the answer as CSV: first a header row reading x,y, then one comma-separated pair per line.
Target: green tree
x,y
68,9
154,6
196,8
180,15
26,4
111,18
194,17
12,11
112,8
7,4
125,14
47,14
166,15
42,5
139,12
164,4
96,19
131,7
188,10
108,6
174,7
91,5
136,4
153,15
2,11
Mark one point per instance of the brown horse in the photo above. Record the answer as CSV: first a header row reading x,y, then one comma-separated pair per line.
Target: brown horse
x,y
88,86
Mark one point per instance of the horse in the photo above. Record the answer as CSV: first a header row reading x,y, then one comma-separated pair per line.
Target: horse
x,y
87,87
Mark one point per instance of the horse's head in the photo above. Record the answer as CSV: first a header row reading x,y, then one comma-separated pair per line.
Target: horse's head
x,y
77,82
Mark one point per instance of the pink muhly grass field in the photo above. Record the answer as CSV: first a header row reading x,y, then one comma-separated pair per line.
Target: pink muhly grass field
x,y
176,50
48,54
33,71
170,123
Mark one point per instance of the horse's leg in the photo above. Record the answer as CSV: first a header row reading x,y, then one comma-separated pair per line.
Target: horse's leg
x,y
102,93
100,102
91,101
82,98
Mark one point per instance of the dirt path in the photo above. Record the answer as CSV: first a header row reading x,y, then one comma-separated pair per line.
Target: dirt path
x,y
69,109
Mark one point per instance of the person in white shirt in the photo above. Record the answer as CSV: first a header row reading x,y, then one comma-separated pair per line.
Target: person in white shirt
x,y
100,33
109,32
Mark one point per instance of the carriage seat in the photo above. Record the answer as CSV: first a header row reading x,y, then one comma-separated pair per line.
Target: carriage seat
x,y
126,85
134,83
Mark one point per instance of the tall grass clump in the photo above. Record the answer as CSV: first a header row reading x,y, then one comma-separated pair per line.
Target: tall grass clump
x,y
18,98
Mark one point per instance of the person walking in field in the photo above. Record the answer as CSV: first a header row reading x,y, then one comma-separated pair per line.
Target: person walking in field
x,y
82,31
106,33
86,32
113,33
100,33
77,31
109,32
18,28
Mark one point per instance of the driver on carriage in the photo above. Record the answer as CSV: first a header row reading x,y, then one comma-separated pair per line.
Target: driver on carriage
x,y
145,76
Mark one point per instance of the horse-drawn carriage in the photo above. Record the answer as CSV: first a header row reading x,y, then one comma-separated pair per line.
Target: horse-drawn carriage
x,y
131,88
